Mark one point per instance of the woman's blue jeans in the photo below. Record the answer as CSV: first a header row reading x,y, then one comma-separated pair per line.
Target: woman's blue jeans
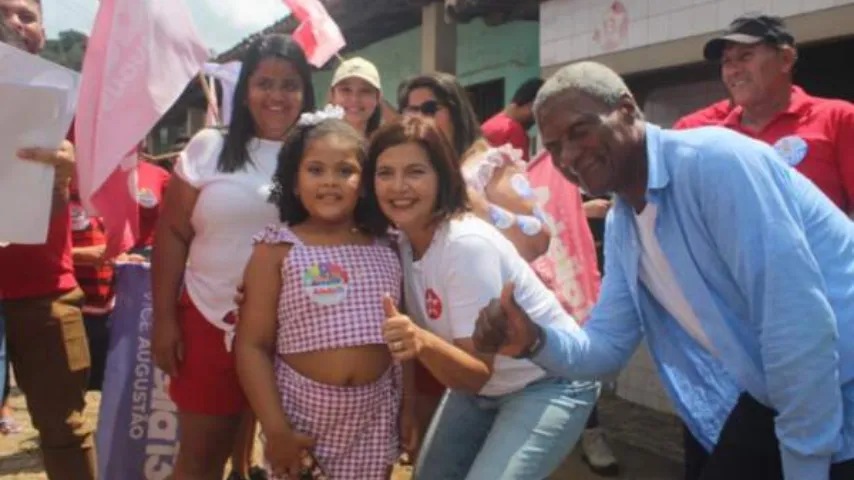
x,y
523,435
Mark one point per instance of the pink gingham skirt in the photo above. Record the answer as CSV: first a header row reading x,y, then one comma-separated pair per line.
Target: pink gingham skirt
x,y
355,428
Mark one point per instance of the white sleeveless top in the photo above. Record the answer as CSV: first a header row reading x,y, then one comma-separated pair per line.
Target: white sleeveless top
x,y
230,209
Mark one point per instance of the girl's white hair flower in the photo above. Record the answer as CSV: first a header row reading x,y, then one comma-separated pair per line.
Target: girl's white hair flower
x,y
311,119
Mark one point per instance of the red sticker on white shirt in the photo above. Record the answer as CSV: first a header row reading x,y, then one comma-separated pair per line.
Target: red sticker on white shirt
x,y
433,303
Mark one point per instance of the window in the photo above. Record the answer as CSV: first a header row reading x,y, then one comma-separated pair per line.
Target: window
x,y
487,98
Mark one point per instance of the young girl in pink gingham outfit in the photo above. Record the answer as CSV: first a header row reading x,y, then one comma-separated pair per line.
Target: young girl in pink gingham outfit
x,y
309,345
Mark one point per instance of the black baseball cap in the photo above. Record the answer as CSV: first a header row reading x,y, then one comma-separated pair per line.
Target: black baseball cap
x,y
749,29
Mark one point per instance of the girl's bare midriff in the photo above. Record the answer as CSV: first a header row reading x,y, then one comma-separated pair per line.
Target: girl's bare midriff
x,y
343,367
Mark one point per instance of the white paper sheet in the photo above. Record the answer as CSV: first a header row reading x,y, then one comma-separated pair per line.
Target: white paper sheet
x,y
38,101
18,66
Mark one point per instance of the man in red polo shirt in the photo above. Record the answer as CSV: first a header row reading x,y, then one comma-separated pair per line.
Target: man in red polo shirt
x,y
511,124
713,114
41,302
757,56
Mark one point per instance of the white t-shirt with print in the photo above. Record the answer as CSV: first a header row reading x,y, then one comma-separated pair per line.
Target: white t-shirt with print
x,y
230,209
466,265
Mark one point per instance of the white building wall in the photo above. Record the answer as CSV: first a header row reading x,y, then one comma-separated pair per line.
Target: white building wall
x,y
576,29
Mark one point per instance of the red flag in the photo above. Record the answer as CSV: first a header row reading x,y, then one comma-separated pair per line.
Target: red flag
x,y
139,59
317,34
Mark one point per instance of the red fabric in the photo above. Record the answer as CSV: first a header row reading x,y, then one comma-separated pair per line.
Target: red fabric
x,y
96,282
826,126
40,270
207,380
317,33
152,181
501,130
425,382
714,114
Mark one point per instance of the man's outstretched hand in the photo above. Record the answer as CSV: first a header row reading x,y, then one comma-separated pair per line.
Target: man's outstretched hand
x,y
504,328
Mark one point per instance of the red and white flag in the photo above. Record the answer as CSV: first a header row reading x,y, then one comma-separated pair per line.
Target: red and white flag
x,y
140,57
317,34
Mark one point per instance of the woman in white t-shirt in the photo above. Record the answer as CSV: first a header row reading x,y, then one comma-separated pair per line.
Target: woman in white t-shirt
x,y
217,200
501,417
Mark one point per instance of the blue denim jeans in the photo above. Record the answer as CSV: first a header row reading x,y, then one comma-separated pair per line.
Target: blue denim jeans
x,y
523,435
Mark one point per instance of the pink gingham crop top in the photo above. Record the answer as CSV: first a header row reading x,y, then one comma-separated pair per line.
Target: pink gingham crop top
x,y
332,295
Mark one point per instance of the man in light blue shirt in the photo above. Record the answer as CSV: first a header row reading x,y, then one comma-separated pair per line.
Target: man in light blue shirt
x,y
736,269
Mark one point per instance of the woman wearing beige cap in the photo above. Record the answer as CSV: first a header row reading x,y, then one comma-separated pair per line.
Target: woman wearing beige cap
x,y
356,88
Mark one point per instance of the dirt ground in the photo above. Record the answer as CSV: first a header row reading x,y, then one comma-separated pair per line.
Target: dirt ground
x,y
19,453
630,428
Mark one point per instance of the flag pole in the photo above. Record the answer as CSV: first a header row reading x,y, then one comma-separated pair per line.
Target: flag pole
x,y
209,96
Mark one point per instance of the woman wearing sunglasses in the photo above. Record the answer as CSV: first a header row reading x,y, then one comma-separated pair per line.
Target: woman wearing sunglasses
x,y
498,188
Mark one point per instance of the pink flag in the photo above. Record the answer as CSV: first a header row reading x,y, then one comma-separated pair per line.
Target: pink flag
x,y
317,34
569,267
139,59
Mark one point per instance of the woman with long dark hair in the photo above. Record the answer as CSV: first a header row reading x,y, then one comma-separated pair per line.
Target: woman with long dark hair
x,y
215,202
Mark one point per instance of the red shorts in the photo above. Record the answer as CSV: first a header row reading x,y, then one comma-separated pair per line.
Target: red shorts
x,y
207,378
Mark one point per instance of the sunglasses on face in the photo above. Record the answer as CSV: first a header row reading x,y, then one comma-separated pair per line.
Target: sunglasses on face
x,y
429,108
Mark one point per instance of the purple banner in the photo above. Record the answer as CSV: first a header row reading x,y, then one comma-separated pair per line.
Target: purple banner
x,y
137,434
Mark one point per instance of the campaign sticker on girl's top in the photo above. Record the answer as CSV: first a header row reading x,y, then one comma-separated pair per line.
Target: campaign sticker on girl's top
x,y
325,283
433,304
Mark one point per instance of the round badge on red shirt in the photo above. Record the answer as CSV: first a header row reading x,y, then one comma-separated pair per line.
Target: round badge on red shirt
x,y
433,304
79,218
792,148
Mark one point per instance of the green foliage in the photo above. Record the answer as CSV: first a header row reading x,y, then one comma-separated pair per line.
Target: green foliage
x,y
67,50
